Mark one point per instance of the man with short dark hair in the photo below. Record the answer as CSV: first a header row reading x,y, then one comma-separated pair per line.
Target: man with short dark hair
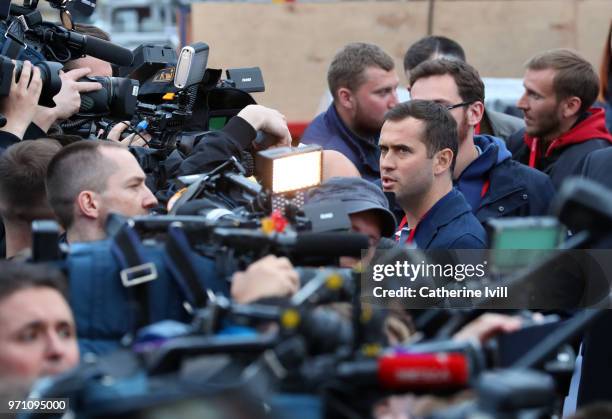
x,y
418,146
88,180
430,48
362,81
37,331
561,126
493,184
23,199
436,47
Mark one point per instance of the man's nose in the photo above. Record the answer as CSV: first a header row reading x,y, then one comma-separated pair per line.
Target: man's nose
x,y
393,100
522,102
149,200
386,162
55,348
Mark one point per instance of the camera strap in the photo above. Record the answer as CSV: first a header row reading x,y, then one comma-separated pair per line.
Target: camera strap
x,y
182,266
135,273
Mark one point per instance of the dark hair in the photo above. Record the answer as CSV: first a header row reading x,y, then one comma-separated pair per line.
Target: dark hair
x,y
574,76
23,167
349,64
16,276
440,129
77,167
425,48
468,81
91,30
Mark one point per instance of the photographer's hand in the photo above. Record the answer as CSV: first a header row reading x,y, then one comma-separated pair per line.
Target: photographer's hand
x,y
135,140
487,326
270,276
19,107
269,121
68,99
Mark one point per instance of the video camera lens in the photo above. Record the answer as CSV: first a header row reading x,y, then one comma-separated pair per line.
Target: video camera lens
x,y
49,72
117,98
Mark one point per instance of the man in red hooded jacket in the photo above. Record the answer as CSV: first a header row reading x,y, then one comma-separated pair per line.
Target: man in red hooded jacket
x,y
561,127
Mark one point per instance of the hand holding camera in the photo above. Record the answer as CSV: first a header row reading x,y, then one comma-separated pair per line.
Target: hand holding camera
x,y
20,106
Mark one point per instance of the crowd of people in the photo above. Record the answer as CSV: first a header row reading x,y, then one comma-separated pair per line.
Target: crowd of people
x,y
427,173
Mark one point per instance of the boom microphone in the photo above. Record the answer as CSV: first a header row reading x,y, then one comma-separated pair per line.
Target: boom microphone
x,y
107,51
95,47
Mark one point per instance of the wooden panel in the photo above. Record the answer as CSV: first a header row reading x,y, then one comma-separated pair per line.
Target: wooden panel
x,y
593,21
294,43
500,35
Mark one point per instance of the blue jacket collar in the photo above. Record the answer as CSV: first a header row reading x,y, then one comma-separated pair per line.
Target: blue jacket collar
x,y
450,207
367,149
472,180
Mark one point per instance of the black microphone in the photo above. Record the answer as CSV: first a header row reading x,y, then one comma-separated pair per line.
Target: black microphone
x,y
107,51
325,244
308,244
95,47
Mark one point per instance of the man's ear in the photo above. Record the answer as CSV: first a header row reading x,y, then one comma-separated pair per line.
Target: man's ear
x,y
475,111
88,204
442,161
570,106
345,98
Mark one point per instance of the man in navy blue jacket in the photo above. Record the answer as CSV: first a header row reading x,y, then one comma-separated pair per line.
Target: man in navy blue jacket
x,y
493,184
362,81
418,146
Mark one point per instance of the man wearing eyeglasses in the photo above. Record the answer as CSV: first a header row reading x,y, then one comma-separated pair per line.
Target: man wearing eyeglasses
x,y
433,47
493,184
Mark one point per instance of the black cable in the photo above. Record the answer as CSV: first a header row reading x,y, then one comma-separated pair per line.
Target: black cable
x,y
133,130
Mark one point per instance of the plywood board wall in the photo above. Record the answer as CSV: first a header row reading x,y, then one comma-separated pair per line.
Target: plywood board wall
x,y
293,43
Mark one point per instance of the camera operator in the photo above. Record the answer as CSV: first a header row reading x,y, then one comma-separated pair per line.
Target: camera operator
x,y
23,198
88,180
37,332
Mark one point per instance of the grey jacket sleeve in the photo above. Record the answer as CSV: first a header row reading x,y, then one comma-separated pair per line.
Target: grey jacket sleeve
x,y
503,125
